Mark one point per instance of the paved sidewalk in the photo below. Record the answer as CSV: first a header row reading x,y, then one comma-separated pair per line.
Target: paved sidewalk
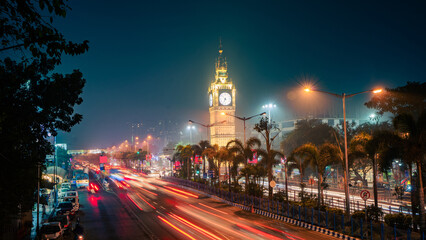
x,y
43,216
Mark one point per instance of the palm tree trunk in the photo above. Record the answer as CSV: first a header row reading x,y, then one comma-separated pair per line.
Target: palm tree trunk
x,y
375,181
286,181
319,190
218,173
188,168
422,197
347,196
229,176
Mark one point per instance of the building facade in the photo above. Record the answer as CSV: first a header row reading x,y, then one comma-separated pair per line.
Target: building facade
x,y
221,94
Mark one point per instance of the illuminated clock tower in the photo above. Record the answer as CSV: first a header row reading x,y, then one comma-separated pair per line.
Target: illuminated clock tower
x,y
221,101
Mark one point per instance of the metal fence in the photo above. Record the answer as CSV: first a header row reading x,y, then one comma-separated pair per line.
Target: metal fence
x,y
348,225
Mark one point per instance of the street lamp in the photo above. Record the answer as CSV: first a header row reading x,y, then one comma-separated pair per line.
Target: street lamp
x,y
190,127
343,96
269,107
244,119
207,126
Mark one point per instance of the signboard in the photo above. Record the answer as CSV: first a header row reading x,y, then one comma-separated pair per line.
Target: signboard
x,y
103,159
211,173
272,184
254,160
204,175
311,181
101,167
148,157
364,195
198,159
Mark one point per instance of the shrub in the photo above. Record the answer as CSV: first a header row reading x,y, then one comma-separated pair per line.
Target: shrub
x,y
374,213
358,215
400,220
280,196
336,211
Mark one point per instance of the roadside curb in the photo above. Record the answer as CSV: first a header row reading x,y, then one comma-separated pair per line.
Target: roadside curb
x,y
279,217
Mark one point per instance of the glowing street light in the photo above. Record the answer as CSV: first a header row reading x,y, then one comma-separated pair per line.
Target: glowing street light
x,y
269,107
343,96
244,119
190,128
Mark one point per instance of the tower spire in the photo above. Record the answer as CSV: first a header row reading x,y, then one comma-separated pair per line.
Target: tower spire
x,y
220,46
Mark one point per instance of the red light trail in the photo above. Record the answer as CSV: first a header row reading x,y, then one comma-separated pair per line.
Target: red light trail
x,y
177,229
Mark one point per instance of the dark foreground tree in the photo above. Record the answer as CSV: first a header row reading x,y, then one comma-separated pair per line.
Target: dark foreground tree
x,y
35,102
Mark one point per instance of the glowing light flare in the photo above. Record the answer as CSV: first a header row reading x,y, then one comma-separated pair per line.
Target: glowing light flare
x,y
134,202
212,208
145,200
183,192
258,232
176,228
378,90
307,90
193,226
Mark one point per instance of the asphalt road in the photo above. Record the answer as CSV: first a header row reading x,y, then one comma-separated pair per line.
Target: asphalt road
x,y
154,209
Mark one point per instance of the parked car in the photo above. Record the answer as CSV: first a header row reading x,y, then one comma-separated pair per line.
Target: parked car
x,y
74,201
68,194
51,230
63,219
65,208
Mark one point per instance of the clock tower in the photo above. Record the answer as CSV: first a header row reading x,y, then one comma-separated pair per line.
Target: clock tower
x,y
221,102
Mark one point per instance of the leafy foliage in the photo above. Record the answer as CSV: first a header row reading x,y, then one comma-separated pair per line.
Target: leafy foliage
x,y
35,102
399,220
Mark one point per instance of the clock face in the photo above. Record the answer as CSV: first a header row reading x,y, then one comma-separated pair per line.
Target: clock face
x,y
225,99
211,100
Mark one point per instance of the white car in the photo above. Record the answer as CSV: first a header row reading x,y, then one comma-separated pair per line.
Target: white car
x,y
52,230
66,185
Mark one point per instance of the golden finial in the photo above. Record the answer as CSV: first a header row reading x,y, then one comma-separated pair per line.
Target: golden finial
x,y
220,46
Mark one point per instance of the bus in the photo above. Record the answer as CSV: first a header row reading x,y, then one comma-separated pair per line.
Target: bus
x,y
81,178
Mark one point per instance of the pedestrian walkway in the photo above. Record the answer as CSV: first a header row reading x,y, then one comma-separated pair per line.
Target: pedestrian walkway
x,y
44,214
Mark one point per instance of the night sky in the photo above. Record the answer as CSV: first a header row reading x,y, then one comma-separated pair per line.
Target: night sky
x,y
154,60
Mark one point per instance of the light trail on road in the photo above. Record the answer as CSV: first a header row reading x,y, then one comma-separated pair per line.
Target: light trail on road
x,y
176,228
212,208
145,201
186,222
134,202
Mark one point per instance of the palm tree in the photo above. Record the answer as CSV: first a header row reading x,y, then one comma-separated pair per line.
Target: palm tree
x,y
184,153
413,133
224,156
210,153
319,159
270,156
243,152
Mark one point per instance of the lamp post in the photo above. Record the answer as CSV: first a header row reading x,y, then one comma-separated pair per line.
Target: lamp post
x,y
244,119
269,107
343,96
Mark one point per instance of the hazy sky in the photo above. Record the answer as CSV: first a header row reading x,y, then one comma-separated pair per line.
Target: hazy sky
x,y
152,60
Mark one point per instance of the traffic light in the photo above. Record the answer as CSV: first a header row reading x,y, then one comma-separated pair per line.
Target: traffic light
x,y
198,171
139,151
